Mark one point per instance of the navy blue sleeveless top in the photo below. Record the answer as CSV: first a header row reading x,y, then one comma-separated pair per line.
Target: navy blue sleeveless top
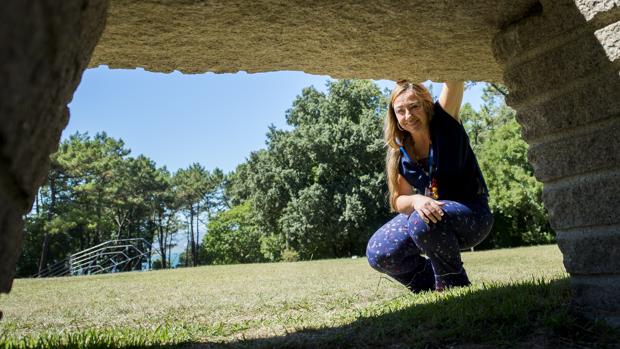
x,y
455,166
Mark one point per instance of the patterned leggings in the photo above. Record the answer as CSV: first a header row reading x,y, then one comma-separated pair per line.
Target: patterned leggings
x,y
396,247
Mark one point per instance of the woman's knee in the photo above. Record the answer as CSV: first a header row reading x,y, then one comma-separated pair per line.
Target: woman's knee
x,y
380,253
388,245
418,229
482,230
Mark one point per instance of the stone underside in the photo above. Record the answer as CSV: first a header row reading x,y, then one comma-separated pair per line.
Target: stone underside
x,y
437,40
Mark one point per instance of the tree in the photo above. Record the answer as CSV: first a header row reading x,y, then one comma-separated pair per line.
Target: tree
x,y
233,237
165,214
197,191
515,194
319,188
97,192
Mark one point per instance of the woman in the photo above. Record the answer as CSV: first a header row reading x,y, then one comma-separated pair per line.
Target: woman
x,y
437,187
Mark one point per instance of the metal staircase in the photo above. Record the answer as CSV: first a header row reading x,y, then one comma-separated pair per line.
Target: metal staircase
x,y
108,257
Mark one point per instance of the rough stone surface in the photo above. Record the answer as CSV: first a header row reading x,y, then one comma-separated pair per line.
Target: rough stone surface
x,y
44,48
584,200
582,153
578,260
610,40
597,296
561,67
592,102
551,23
417,39
590,8
562,73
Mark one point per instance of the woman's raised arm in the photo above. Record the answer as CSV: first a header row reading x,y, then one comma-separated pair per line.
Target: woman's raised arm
x,y
451,97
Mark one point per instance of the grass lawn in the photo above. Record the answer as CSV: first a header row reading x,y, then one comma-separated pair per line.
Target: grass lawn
x,y
519,298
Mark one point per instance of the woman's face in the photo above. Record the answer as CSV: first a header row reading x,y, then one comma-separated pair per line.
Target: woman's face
x,y
409,112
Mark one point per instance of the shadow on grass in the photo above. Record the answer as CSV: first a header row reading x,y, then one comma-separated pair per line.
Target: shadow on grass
x,y
529,315
532,314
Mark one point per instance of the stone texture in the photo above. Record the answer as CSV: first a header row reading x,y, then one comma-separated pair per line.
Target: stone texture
x,y
578,260
11,237
586,152
561,69
44,48
609,37
586,200
551,23
594,101
593,8
364,39
597,295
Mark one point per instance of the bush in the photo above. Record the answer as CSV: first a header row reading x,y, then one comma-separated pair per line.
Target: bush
x,y
290,255
233,237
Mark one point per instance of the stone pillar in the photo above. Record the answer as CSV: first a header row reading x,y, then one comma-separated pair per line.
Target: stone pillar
x,y
561,66
45,46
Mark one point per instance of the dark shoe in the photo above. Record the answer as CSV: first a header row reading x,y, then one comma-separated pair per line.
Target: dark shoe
x,y
452,280
419,280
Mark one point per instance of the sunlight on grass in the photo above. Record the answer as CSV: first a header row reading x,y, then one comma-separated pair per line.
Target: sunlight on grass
x,y
237,303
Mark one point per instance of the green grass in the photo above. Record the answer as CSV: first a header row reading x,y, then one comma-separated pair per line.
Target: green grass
x,y
519,296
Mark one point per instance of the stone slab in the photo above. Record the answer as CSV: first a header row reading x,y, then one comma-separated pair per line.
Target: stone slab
x,y
585,200
609,37
596,100
354,39
578,59
591,251
549,23
597,296
577,152
44,48
11,236
590,9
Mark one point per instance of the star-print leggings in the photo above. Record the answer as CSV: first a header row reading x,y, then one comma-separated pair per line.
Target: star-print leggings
x,y
396,248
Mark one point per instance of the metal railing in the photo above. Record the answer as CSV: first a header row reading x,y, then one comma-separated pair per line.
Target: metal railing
x,y
108,257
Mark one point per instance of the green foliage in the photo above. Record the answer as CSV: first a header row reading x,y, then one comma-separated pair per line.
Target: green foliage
x,y
197,191
96,192
233,237
290,255
271,247
320,186
514,193
318,189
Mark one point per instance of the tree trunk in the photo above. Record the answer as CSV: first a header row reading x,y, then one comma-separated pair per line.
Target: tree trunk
x,y
162,240
196,262
187,249
50,215
191,232
169,249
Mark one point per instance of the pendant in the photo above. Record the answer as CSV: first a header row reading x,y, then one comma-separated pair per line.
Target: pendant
x,y
434,190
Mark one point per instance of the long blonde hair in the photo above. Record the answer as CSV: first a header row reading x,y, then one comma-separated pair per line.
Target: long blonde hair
x,y
394,137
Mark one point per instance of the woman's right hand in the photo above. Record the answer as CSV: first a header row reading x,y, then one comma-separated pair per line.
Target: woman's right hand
x,y
427,208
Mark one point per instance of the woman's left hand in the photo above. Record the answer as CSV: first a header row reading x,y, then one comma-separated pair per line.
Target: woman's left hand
x,y
428,209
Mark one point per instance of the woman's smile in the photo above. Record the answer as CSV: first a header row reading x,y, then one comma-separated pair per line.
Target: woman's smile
x,y
409,111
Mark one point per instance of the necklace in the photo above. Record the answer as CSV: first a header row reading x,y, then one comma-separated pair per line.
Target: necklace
x,y
432,190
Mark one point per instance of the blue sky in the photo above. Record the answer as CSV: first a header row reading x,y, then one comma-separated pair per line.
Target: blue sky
x,y
177,119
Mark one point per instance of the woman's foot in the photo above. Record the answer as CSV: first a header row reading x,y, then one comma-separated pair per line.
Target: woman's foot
x,y
444,282
420,280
